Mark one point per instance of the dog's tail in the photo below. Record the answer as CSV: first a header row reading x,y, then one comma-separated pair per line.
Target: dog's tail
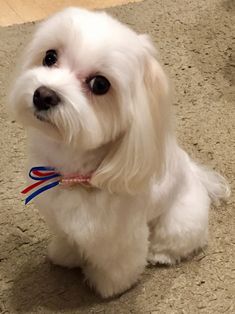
x,y
215,184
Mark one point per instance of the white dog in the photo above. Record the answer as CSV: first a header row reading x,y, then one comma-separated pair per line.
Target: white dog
x,y
95,103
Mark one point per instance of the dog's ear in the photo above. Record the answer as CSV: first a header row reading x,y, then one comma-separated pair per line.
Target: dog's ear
x,y
139,154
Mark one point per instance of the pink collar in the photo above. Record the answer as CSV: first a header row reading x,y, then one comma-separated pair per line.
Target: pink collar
x,y
75,178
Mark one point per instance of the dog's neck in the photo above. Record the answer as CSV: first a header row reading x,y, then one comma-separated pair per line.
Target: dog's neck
x,y
45,151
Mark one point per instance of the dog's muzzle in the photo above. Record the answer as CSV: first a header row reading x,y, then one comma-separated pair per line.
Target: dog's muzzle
x,y
45,98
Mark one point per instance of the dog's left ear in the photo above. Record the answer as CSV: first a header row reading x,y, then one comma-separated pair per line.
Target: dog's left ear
x,y
140,153
157,86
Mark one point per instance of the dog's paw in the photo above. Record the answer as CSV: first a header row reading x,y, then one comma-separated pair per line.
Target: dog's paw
x,y
161,259
107,288
62,254
110,283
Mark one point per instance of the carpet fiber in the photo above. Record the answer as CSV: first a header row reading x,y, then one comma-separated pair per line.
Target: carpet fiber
x,y
194,39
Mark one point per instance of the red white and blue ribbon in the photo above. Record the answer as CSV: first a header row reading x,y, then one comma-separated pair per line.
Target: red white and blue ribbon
x,y
45,174
42,175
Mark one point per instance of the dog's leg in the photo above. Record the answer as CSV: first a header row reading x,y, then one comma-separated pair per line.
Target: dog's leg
x,y
182,229
113,271
63,253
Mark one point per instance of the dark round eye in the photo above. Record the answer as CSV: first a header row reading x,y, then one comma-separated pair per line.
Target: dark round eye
x,y
99,85
50,58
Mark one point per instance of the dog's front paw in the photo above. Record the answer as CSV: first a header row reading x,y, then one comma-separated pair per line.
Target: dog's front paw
x,y
61,253
161,259
111,282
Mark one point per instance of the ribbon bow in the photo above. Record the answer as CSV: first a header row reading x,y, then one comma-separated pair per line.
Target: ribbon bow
x,y
44,174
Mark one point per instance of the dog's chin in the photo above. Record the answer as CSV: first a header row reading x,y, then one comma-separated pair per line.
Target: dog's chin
x,y
41,122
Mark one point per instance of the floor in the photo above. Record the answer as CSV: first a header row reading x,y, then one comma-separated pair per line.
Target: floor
x,y
21,11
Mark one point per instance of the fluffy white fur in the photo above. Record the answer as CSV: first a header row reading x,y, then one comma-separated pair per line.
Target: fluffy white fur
x,y
149,201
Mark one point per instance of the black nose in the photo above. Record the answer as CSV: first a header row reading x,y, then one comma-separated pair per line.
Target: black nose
x,y
45,98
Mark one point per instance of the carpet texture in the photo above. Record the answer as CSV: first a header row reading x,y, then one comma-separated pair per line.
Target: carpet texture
x,y
194,39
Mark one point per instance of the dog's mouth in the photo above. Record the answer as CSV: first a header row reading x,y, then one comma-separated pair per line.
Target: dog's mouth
x,y
42,117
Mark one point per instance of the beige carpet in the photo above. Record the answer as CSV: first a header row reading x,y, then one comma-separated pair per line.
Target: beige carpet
x,y
195,42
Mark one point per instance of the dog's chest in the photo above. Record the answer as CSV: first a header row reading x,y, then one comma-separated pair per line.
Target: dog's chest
x,y
86,215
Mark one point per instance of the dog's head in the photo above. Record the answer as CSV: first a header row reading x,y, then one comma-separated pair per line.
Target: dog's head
x,y
88,80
